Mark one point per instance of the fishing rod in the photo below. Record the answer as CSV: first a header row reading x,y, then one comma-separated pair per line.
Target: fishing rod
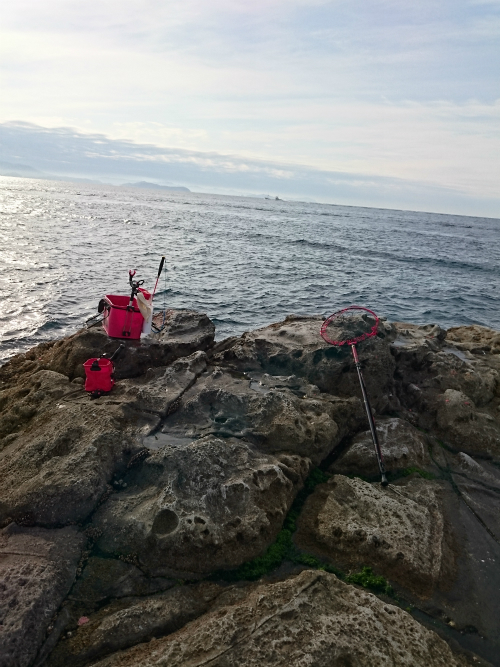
x,y
158,276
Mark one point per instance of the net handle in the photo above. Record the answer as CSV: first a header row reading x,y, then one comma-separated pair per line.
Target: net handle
x,y
352,341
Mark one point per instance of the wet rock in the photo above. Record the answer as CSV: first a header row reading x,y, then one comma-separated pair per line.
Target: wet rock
x,y
471,597
401,443
295,346
462,425
399,533
482,472
272,419
310,619
131,621
37,569
194,509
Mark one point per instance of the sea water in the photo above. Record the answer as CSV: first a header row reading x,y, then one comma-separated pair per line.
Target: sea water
x,y
244,261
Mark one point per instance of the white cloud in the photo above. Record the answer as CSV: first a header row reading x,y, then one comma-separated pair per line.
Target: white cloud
x,y
384,87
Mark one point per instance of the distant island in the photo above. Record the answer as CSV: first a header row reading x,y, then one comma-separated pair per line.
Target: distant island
x,y
155,186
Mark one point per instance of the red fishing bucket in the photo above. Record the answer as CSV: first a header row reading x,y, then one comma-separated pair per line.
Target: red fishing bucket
x,y
118,320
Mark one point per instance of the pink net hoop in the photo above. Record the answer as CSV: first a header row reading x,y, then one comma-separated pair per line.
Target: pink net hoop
x,y
352,337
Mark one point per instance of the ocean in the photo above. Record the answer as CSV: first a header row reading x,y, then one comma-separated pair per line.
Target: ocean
x,y
245,261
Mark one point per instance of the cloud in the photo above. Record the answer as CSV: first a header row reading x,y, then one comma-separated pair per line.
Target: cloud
x,y
388,88
67,152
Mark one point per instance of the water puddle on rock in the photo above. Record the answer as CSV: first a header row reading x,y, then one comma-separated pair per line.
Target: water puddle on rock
x,y
257,386
159,440
401,342
458,353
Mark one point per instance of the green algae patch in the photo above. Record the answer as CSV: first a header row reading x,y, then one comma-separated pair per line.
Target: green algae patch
x,y
282,548
368,579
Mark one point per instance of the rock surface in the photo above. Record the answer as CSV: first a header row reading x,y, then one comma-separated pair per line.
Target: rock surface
x,y
398,531
299,420
192,510
311,619
198,462
37,569
132,621
402,445
293,347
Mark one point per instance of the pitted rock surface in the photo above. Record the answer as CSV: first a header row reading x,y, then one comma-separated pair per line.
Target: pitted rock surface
x,y
466,427
475,338
37,569
430,365
133,620
273,419
295,347
399,533
56,469
197,508
158,390
310,619
193,460
402,446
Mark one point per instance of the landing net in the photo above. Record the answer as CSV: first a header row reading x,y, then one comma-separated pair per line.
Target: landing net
x,y
350,326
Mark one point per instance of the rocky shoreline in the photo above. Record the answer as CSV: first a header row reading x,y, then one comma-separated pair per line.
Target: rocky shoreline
x,y
222,506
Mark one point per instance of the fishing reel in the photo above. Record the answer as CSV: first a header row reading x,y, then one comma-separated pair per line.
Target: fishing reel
x,y
134,284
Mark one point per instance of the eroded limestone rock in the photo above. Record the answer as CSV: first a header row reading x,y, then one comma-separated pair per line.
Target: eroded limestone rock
x,y
462,425
185,332
399,533
57,468
200,507
273,419
401,443
132,621
309,619
295,346
37,569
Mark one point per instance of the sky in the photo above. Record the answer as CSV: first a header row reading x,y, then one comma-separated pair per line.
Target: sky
x,y
393,102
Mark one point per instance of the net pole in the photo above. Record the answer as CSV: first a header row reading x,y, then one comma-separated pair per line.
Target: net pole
x,y
373,430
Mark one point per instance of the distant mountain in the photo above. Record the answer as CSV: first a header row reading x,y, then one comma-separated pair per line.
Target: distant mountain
x,y
19,170
155,186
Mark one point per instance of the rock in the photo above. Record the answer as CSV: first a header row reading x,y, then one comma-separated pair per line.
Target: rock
x,y
475,470
401,443
295,346
309,619
37,569
470,599
65,447
57,468
273,419
194,509
185,332
462,425
399,533
161,390
131,621
104,579
475,338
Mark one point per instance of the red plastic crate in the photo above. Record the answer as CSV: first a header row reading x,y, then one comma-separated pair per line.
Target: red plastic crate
x,y
118,322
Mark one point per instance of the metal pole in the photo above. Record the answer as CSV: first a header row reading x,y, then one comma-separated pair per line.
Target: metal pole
x,y
378,451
